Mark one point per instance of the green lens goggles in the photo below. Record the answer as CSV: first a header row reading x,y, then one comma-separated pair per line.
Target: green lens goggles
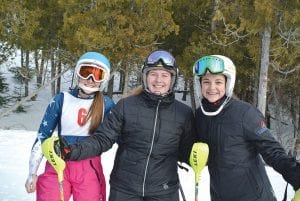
x,y
212,64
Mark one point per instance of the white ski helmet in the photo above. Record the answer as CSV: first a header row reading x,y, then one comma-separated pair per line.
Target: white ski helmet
x,y
160,59
215,64
97,60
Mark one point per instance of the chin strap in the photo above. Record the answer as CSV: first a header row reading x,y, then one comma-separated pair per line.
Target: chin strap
x,y
87,89
218,110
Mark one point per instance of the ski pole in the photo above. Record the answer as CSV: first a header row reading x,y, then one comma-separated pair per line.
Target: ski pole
x,y
198,159
48,149
180,186
181,191
285,192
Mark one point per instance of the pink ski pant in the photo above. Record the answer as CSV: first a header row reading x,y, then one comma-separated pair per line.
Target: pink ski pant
x,y
84,180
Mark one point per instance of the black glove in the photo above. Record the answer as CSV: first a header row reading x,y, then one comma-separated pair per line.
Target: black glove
x,y
296,180
292,175
62,149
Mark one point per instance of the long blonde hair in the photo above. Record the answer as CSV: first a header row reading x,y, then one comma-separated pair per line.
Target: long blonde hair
x,y
95,113
135,92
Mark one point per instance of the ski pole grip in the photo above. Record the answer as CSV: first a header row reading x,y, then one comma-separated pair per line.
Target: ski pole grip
x,y
198,158
49,152
297,195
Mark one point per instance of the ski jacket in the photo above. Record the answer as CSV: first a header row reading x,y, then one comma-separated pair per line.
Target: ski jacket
x,y
237,138
63,113
152,135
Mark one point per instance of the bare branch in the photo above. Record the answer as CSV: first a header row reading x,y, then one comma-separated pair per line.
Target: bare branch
x,y
277,69
16,105
290,35
229,33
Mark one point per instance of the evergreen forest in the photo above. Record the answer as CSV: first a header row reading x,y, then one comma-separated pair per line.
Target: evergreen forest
x,y
262,37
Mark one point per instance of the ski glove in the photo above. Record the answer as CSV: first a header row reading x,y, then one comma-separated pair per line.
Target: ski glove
x,y
62,149
292,175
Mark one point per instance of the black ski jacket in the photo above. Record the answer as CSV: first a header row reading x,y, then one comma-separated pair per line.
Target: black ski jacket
x,y
152,135
237,137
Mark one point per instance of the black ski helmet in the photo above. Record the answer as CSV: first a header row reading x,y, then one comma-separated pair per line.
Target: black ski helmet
x,y
160,59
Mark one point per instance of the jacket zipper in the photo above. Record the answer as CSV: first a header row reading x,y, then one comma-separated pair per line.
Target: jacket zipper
x,y
151,148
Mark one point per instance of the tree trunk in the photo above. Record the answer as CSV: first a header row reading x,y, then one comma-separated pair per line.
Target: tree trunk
x,y
255,90
110,87
213,22
53,72
39,68
185,91
295,109
278,117
263,76
192,93
122,81
126,82
59,69
26,73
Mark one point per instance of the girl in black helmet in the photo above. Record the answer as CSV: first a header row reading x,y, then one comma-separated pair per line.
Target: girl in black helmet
x,y
153,131
237,136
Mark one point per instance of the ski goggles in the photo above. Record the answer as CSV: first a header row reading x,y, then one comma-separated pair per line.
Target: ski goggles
x,y
212,64
90,70
163,56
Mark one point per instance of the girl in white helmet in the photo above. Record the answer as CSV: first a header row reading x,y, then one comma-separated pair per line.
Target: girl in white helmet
x,y
75,114
237,135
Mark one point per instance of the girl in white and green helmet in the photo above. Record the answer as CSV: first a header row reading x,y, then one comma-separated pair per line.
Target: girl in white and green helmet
x,y
216,64
237,136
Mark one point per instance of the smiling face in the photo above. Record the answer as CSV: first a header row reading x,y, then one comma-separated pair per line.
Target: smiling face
x,y
213,86
159,81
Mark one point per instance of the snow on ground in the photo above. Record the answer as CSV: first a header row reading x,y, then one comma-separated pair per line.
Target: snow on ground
x,y
15,148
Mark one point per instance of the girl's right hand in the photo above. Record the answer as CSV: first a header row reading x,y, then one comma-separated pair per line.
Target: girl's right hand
x,y
30,184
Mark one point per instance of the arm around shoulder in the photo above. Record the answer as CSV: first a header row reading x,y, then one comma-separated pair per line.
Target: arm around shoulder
x,y
104,137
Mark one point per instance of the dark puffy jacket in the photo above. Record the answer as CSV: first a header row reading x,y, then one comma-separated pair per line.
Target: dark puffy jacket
x,y
152,135
236,138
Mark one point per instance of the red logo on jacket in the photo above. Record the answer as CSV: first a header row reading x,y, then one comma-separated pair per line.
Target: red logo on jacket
x,y
81,117
262,124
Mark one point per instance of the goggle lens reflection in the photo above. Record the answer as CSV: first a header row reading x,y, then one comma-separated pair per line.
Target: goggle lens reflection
x,y
86,71
163,56
212,64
